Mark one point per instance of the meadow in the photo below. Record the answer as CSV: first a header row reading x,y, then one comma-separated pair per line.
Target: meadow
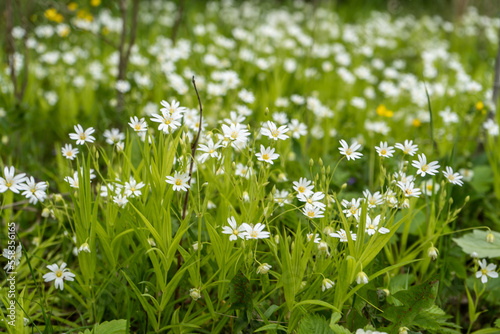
x,y
249,167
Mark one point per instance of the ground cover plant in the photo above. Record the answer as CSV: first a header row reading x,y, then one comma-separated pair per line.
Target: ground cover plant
x,y
241,167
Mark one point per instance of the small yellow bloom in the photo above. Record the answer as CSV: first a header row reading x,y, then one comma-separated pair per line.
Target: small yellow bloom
x,y
72,6
95,3
381,110
480,105
416,123
52,15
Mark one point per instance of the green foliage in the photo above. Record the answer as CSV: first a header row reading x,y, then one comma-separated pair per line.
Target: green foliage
x,y
109,327
476,242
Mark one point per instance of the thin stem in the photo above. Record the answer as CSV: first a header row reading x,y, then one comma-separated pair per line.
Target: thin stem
x,y
194,145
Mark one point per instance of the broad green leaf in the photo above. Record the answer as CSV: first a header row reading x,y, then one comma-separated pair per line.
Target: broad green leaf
x,y
314,323
476,242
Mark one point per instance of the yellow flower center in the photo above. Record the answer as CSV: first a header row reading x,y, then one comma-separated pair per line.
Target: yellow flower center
x,y
348,151
275,133
429,187
167,121
8,184
59,273
234,135
82,136
137,127
309,201
451,177
211,151
424,168
69,153
371,227
254,234
302,189
354,210
383,152
236,232
132,189
310,214
484,271
178,182
265,156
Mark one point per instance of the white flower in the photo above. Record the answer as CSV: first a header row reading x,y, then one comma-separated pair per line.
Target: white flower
x,y
267,154
13,257
303,186
243,171
139,125
407,147
34,191
69,152
255,232
73,181
236,134
384,151
11,181
486,270
263,268
172,108
114,136
313,199
453,178
281,197
210,150
373,200
233,229
423,167
82,136
120,200
372,226
122,86
179,181
341,234
429,187
409,189
350,151
327,284
168,122
59,274
312,211
273,132
132,188
352,208
468,174
298,129
315,237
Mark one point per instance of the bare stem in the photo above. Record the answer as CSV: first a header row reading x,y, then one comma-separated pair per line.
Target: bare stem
x,y
194,145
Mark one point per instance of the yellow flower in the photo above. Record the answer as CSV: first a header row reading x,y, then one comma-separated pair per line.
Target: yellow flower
x,y
480,105
416,123
381,110
72,6
52,15
95,3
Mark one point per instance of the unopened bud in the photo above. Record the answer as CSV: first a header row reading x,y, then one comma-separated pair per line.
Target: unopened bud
x,y
195,293
433,252
311,162
490,238
361,277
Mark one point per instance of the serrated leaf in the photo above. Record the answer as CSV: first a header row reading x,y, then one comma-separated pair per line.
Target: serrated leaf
x,y
314,324
414,300
476,242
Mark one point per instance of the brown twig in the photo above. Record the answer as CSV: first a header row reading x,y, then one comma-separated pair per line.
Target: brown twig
x,y
193,151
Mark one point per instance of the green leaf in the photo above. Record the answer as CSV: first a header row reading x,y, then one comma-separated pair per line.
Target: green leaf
x,y
316,302
476,242
414,300
109,327
270,327
314,324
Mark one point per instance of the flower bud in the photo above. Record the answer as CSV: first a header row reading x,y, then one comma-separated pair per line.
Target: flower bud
x,y
58,198
361,277
327,284
490,238
277,239
45,213
474,255
84,248
311,162
403,330
433,252
263,268
195,293
152,242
